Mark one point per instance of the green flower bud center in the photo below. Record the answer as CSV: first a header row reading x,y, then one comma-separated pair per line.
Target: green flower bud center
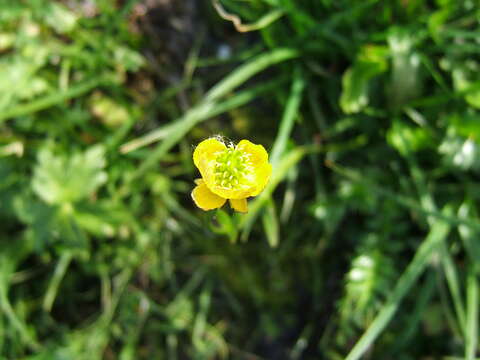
x,y
230,168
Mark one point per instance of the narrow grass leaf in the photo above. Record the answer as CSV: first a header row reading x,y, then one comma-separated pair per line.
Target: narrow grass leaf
x,y
428,203
57,277
453,284
425,294
6,268
471,333
245,72
289,115
53,99
270,223
468,235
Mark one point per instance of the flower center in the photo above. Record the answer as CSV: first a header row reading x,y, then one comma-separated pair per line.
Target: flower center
x,y
230,168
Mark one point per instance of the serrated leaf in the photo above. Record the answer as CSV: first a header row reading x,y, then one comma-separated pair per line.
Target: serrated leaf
x,y
40,218
19,80
62,180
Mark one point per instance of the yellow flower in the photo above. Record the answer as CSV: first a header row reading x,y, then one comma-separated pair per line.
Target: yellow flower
x,y
229,172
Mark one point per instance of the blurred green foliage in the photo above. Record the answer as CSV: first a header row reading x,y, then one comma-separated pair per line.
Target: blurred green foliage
x,y
364,245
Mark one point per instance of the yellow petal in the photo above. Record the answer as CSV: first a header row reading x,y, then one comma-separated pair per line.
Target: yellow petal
x,y
204,158
205,199
206,150
227,193
258,157
262,175
257,153
239,205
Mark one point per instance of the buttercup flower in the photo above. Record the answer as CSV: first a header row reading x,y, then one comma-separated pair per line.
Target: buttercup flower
x,y
229,172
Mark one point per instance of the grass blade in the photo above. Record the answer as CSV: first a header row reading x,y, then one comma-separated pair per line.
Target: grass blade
x,y
423,299
471,333
453,284
245,72
289,116
269,218
57,277
53,99
6,268
468,235
270,223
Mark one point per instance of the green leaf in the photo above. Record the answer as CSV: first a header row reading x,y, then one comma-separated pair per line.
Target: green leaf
x,y
62,180
39,217
406,139
6,40
460,153
130,59
60,18
371,273
226,225
438,233
464,77
19,80
436,22
356,80
104,218
111,113
406,80
467,125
